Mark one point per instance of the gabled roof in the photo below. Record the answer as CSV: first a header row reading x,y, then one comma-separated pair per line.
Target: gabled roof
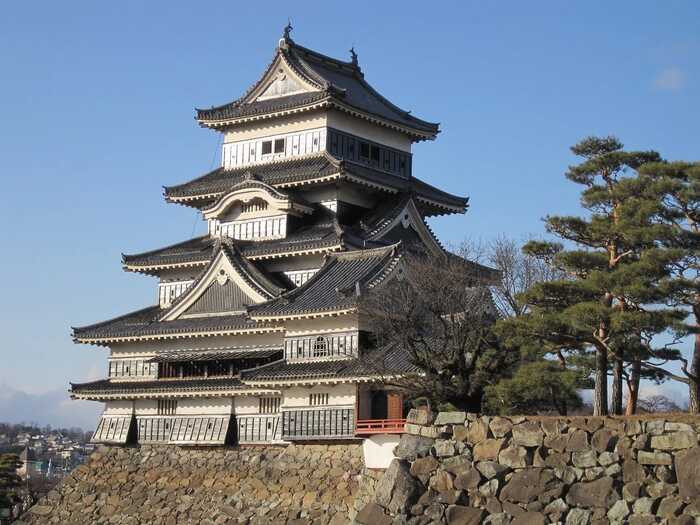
x,y
334,288
155,322
319,82
251,188
391,221
319,168
228,268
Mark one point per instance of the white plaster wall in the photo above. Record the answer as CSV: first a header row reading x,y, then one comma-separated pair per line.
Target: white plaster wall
x,y
204,405
118,408
338,395
276,126
146,407
246,405
303,327
333,118
378,450
362,128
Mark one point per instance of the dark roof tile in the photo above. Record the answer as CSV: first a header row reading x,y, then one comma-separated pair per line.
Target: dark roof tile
x,y
144,323
107,387
379,362
334,287
338,82
297,169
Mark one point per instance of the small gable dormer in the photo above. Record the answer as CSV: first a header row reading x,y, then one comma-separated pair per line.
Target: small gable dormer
x,y
228,286
253,210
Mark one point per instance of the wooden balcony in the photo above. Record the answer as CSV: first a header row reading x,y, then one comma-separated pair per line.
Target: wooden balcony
x,y
367,427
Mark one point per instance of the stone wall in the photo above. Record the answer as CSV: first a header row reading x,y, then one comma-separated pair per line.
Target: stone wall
x,y
298,484
464,469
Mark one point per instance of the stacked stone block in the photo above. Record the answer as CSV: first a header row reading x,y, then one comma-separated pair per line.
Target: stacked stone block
x,y
468,469
167,485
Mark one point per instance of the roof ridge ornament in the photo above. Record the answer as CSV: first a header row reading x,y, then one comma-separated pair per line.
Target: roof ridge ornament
x,y
284,41
353,56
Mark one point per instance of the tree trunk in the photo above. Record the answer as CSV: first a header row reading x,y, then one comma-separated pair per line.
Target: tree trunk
x,y
693,382
600,395
618,381
633,385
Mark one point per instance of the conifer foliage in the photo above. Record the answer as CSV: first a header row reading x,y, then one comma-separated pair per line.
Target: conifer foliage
x,y
9,480
607,303
677,186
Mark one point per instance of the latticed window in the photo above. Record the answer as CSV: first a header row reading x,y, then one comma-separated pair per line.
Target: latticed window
x,y
269,405
318,399
167,407
320,348
256,205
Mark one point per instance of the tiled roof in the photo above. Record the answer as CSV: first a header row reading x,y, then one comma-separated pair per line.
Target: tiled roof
x,y
380,362
298,169
319,232
335,285
195,250
289,170
144,323
256,278
337,82
213,355
236,110
108,387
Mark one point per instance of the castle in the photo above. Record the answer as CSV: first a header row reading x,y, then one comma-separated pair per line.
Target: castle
x,y
256,336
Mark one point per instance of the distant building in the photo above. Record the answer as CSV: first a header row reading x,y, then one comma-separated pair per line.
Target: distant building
x,y
30,465
256,335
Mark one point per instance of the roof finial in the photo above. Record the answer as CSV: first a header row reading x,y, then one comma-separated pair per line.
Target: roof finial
x,y
287,29
353,55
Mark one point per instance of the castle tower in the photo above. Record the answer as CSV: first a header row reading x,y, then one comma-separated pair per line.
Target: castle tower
x,y
255,336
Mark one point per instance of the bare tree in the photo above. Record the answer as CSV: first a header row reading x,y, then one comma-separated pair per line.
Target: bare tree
x,y
519,271
657,403
440,313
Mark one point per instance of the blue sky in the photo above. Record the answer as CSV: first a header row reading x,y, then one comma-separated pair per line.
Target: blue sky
x,y
97,114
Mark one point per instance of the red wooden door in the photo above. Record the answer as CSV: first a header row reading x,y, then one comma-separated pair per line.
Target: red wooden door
x,y
394,405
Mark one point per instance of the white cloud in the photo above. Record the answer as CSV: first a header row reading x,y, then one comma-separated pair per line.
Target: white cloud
x,y
669,79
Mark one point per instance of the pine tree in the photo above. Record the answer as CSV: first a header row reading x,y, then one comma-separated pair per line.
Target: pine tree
x,y
613,270
677,186
540,386
9,480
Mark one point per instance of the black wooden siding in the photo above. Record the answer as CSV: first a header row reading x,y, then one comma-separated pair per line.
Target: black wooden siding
x,y
258,429
322,423
346,146
113,429
205,430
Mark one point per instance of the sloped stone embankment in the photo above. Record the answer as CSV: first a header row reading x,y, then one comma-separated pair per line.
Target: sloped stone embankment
x,y
304,484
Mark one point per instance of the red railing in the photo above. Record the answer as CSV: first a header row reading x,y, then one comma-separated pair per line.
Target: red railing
x,y
379,426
